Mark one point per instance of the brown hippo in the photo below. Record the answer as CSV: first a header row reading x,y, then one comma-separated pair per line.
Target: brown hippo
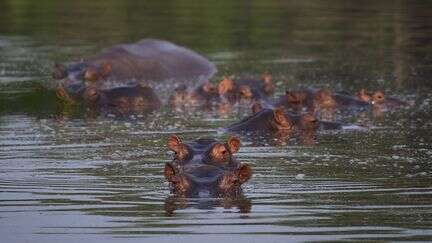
x,y
379,99
148,62
206,167
246,89
203,95
321,102
276,122
265,121
122,101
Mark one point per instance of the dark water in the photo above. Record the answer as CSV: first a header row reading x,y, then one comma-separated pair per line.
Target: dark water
x,y
68,176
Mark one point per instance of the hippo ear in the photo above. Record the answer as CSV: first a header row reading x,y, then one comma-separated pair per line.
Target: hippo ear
x,y
170,172
174,142
105,69
176,145
91,74
268,83
378,96
291,96
256,107
245,91
279,115
219,152
244,173
233,145
59,71
208,87
225,86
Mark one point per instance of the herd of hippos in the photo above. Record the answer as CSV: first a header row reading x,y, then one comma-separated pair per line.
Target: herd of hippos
x,y
122,80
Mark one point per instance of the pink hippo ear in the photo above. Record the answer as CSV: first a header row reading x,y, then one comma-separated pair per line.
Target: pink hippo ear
x,y
170,172
244,173
225,86
245,91
219,153
363,95
279,115
177,146
91,74
378,97
233,144
105,70
256,107
59,71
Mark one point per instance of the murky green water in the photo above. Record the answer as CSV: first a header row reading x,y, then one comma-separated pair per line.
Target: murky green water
x,y
68,176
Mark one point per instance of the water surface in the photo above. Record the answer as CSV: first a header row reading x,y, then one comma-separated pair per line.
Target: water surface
x,y
66,175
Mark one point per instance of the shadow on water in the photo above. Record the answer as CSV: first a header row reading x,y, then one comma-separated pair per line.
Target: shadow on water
x,y
69,175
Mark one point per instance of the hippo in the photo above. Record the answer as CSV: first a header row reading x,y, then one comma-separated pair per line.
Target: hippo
x,y
205,167
322,102
122,101
279,123
148,62
246,89
202,96
379,100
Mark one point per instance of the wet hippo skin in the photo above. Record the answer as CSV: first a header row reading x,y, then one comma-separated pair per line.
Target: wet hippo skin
x,y
205,167
246,89
122,101
148,62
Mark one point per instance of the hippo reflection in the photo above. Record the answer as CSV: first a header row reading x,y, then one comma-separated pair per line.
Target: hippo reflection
x,y
146,62
239,202
205,168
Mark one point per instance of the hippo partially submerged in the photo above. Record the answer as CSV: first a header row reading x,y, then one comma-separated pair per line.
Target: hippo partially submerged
x,y
148,62
206,167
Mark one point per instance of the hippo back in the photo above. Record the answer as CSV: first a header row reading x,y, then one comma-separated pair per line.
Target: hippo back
x,y
153,62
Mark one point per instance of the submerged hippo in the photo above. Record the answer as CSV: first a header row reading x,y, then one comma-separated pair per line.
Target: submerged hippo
x,y
204,95
246,89
276,122
148,62
122,101
206,167
322,102
379,100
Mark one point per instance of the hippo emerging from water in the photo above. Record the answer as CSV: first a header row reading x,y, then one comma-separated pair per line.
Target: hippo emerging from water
x,y
148,62
206,167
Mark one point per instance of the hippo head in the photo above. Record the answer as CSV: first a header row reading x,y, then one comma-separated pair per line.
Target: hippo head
x,y
74,80
296,99
202,95
324,99
308,123
377,98
206,166
245,92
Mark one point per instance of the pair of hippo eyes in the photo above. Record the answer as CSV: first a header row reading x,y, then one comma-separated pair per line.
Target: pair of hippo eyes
x,y
377,96
93,74
218,151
